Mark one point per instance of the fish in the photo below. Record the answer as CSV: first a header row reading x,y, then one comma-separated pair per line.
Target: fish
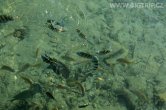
x,y
50,24
103,52
60,86
5,18
81,87
48,94
60,68
83,106
80,34
57,66
37,52
28,93
27,80
95,62
94,59
85,55
75,83
99,79
83,36
8,68
56,26
124,61
24,95
46,58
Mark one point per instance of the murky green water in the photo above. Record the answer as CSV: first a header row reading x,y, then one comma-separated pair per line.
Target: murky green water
x,y
89,55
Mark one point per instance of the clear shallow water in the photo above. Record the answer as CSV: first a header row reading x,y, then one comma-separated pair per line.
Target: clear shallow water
x,y
123,67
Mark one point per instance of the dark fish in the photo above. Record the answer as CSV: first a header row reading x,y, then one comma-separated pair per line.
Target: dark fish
x,y
5,67
24,95
5,18
85,55
50,21
81,34
83,106
103,52
95,62
29,93
50,24
57,66
78,30
81,87
55,26
50,95
60,68
94,59
46,58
